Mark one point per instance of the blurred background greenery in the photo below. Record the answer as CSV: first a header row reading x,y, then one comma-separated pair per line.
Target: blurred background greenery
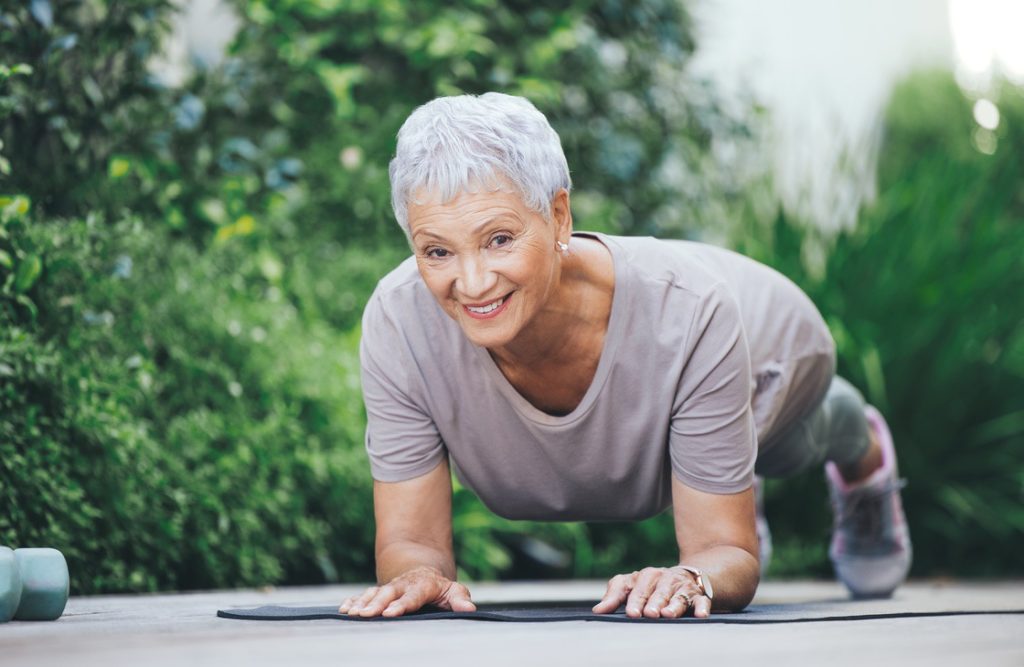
x,y
183,268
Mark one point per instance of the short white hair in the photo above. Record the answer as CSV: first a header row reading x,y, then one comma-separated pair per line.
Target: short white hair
x,y
457,144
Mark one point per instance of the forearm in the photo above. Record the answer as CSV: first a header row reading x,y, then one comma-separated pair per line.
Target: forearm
x,y
396,558
734,575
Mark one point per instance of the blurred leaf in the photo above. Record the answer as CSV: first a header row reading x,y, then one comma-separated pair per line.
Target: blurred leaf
x,y
119,166
11,207
270,266
29,269
29,305
339,80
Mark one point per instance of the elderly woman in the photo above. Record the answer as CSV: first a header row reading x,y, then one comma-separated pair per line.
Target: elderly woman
x,y
578,376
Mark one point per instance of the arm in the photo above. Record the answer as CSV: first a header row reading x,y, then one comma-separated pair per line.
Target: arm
x,y
415,560
713,447
716,534
414,525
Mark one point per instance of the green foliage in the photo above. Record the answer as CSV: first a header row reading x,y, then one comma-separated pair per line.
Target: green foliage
x,y
328,85
169,418
89,95
923,298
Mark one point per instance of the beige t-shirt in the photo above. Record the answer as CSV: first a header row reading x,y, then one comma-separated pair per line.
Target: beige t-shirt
x,y
706,352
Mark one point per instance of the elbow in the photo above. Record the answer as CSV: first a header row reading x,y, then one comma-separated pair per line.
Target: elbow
x,y
752,579
745,580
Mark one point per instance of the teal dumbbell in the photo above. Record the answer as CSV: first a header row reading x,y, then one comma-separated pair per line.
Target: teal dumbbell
x,y
34,584
10,585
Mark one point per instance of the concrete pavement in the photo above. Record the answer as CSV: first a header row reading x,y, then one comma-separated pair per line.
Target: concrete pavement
x,y
182,629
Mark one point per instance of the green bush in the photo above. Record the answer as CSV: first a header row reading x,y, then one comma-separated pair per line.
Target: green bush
x,y
89,98
169,420
923,298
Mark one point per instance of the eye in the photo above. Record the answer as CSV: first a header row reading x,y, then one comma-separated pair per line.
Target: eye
x,y
436,253
501,240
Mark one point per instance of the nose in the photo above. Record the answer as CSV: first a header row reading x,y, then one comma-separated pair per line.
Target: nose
x,y
476,280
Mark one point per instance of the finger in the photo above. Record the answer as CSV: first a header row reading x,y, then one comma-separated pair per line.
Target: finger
x,y
660,598
607,596
614,594
618,588
386,594
410,601
343,607
458,598
701,606
645,584
412,598
361,600
677,607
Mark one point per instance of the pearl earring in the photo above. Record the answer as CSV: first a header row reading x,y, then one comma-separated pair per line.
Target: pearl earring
x,y
564,247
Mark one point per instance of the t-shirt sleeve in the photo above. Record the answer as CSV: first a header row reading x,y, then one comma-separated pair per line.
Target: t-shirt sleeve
x,y
712,439
402,440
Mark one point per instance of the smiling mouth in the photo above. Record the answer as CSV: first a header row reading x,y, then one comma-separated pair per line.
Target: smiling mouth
x,y
490,310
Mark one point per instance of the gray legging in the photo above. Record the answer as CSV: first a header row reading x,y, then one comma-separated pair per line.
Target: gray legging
x,y
835,430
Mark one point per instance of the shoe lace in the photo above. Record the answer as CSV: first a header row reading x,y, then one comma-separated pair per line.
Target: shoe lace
x,y
863,514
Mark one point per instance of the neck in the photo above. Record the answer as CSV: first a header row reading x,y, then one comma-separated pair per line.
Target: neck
x,y
567,318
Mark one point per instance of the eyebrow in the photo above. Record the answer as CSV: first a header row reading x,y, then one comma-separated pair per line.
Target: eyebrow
x,y
476,230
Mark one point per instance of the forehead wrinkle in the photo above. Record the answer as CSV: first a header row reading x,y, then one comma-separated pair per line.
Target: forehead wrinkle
x,y
477,230
459,214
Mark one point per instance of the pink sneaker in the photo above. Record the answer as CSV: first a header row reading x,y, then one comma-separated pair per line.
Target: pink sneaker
x,y
870,548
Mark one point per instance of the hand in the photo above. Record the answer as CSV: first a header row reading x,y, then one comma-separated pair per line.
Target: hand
x,y
408,592
655,592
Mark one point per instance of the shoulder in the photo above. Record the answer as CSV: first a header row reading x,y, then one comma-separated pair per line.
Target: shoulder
x,y
674,273
398,295
683,264
396,282
398,304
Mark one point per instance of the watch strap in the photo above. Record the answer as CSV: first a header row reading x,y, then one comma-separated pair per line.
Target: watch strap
x,y
703,581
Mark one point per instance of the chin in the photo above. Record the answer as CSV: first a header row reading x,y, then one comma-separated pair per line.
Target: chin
x,y
485,339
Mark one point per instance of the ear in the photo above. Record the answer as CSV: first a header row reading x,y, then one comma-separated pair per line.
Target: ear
x,y
561,215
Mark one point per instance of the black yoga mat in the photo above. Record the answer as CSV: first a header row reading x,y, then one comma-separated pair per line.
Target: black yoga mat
x,y
545,612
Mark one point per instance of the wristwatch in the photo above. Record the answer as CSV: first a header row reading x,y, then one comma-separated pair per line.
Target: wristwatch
x,y
702,580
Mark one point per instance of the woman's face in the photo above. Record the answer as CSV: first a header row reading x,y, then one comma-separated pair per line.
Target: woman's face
x,y
489,260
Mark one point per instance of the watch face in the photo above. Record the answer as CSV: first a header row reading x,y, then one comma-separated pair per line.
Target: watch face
x,y
706,583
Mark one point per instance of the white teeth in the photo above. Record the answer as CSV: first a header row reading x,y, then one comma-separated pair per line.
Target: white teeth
x,y
488,308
